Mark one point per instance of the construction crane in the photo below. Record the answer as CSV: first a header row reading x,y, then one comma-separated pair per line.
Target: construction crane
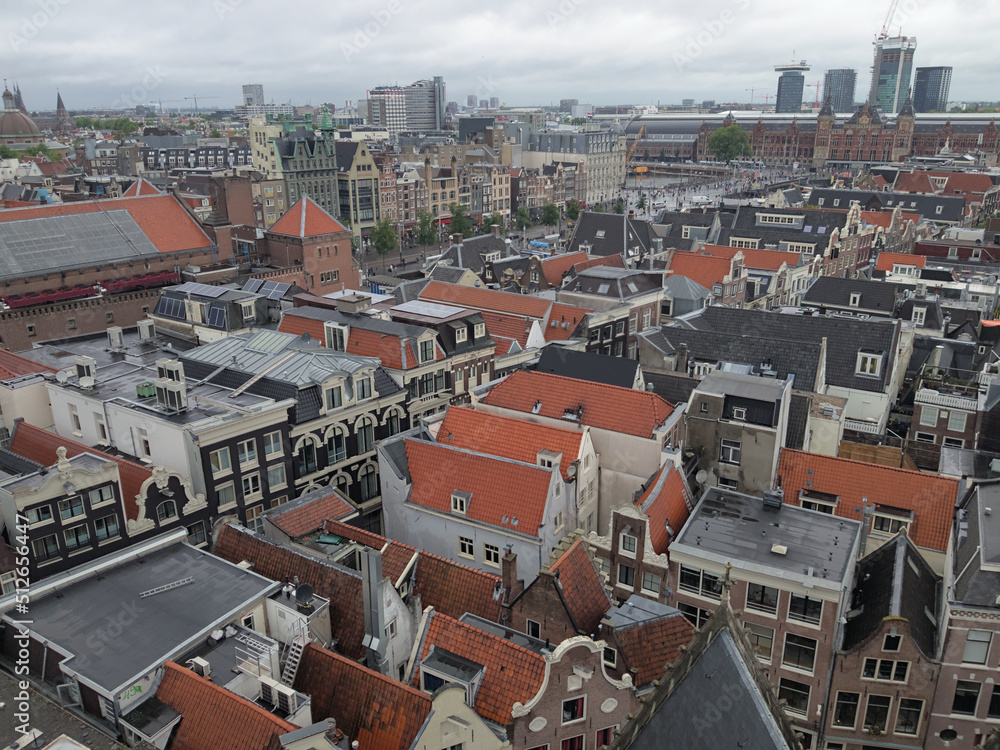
x,y
160,102
884,34
752,92
634,146
816,86
195,98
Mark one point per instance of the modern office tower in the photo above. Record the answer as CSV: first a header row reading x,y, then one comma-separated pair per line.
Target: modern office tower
x,y
471,101
791,84
838,87
892,72
931,87
419,106
253,95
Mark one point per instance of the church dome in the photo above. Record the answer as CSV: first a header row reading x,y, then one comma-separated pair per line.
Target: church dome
x,y
13,122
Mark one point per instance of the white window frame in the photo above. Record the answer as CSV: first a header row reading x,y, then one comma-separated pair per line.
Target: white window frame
x,y
926,419
466,543
869,364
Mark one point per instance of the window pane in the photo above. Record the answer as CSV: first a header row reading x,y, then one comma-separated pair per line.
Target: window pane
x,y
966,698
977,646
846,711
878,712
908,716
799,652
762,598
763,638
795,694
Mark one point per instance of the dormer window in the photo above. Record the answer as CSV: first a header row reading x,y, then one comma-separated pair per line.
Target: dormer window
x,y
461,334
869,364
334,398
362,388
442,667
739,413
460,501
919,315
480,330
336,337
427,351
855,299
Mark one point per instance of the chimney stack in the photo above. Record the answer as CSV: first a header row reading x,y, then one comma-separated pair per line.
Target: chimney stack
x,y
512,587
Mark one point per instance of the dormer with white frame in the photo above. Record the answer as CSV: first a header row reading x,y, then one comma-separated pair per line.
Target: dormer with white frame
x,y
336,336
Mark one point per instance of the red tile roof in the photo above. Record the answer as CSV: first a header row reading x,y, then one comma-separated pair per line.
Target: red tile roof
x,y
503,492
513,674
213,717
971,186
299,324
376,711
513,327
14,366
667,500
343,589
612,261
884,218
930,497
503,346
650,646
701,269
607,407
306,218
486,299
162,219
914,182
398,559
583,594
508,437
769,260
301,518
565,319
887,260
558,266
454,589
40,446
141,186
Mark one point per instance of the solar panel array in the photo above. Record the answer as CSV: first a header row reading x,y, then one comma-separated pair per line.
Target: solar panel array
x,y
53,243
274,289
202,290
251,285
168,307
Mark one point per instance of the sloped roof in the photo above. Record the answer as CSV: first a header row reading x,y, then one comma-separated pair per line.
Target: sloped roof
x,y
375,710
486,299
701,269
454,589
832,290
914,182
513,674
14,366
887,260
141,186
504,493
307,513
558,266
606,407
508,437
513,327
667,500
611,261
40,446
581,589
769,260
562,321
648,647
339,585
597,368
931,498
214,717
306,218
397,558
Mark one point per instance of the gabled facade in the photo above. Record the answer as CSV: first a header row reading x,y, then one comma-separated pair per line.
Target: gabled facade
x,y
308,239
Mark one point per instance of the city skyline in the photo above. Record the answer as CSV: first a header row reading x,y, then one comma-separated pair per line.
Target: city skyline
x,y
530,54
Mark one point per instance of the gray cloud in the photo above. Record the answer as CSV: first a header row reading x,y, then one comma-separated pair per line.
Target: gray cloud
x,y
527,52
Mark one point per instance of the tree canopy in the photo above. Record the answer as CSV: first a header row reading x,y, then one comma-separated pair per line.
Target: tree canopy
x,y
523,218
729,142
460,221
550,214
619,206
426,231
383,238
573,210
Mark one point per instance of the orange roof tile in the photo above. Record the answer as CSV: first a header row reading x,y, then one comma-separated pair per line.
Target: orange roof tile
x,y
583,594
40,446
769,260
667,500
562,321
513,327
142,186
299,324
508,437
513,674
376,711
486,299
347,619
14,366
300,518
397,558
455,589
884,218
612,261
503,346
306,218
650,646
701,269
607,407
914,182
930,497
214,717
505,494
558,266
887,260
162,218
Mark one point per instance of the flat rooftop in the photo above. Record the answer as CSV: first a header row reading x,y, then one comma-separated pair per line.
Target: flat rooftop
x,y
733,527
753,387
116,635
638,610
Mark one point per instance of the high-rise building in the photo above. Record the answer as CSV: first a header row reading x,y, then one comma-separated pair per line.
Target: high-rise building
x,y
892,72
838,87
494,102
471,101
931,87
419,106
791,84
566,104
253,95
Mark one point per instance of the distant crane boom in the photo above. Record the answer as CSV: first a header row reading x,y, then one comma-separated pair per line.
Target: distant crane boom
x,y
884,34
195,98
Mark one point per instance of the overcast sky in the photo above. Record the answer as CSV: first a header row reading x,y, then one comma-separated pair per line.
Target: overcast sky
x,y
598,51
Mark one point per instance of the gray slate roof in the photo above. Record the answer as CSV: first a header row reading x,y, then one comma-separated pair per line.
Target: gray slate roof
x,y
835,291
596,368
611,234
798,416
926,205
980,547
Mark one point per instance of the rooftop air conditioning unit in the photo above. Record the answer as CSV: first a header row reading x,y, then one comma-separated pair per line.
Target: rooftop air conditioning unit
x,y
86,367
146,330
116,337
171,395
269,690
171,369
200,666
288,699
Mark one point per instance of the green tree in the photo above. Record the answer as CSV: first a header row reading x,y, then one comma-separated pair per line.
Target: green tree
x,y
573,210
494,218
40,150
523,218
550,215
597,209
215,134
460,221
619,206
642,202
426,231
729,142
383,238
7,153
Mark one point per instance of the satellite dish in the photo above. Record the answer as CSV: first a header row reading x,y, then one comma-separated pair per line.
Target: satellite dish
x,y
62,376
701,476
303,594
86,383
571,471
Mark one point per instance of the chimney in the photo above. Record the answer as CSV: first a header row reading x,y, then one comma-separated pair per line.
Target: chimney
x,y
375,641
496,229
682,359
512,587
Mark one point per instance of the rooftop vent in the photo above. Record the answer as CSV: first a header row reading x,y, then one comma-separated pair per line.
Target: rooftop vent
x,y
774,499
146,330
116,337
779,549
